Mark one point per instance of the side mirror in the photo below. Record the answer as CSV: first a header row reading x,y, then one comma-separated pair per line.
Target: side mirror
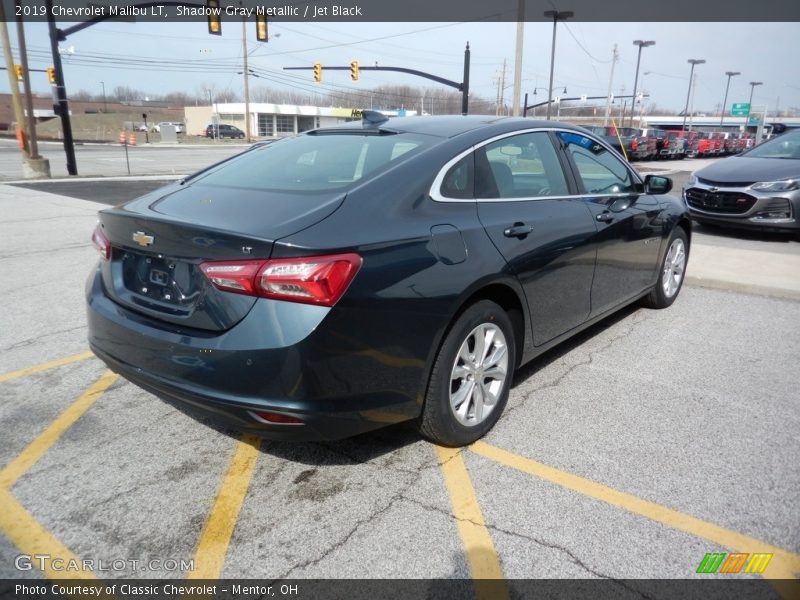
x,y
655,184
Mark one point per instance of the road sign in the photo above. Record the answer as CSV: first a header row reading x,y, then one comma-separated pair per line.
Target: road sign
x,y
740,109
754,120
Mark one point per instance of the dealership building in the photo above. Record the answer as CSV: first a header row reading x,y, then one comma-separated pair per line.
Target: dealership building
x,y
273,120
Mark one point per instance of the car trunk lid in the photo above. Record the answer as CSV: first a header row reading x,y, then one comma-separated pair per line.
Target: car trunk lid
x,y
159,241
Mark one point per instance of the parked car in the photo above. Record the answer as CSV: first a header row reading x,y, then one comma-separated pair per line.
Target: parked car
x,y
659,137
635,145
677,144
223,131
758,188
378,272
179,127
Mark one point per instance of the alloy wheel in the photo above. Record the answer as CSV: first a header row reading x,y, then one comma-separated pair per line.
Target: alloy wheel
x,y
479,374
674,265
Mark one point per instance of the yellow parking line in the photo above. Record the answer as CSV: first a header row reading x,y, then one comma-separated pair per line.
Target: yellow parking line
x,y
784,564
25,459
45,366
482,558
31,539
212,546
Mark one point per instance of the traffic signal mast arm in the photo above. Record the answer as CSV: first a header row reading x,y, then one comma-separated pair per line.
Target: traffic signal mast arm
x,y
436,78
530,106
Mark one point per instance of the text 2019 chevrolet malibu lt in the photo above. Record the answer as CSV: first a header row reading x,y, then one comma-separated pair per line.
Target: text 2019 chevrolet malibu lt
x,y
377,272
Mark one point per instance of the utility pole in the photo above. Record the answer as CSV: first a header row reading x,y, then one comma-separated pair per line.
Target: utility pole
x,y
614,58
33,147
518,59
502,91
246,80
19,117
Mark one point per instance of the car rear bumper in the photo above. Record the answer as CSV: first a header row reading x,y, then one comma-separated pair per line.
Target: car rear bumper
x,y
226,377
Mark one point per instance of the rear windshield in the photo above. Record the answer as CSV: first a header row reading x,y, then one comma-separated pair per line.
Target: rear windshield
x,y
317,162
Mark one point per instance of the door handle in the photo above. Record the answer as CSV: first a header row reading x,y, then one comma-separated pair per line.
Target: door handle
x,y
518,230
605,217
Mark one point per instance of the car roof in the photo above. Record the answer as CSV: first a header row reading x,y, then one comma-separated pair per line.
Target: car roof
x,y
450,125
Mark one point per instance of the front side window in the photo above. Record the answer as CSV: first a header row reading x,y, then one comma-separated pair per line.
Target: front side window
x,y
521,166
600,171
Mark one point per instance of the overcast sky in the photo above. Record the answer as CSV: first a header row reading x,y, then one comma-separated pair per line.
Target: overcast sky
x,y
765,52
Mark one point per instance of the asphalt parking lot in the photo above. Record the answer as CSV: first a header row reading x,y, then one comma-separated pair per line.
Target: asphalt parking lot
x,y
648,441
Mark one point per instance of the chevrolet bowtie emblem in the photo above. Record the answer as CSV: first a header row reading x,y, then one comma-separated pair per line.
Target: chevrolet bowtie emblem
x,y
141,238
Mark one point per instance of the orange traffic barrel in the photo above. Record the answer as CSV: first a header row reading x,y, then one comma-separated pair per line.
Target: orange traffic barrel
x,y
131,139
122,138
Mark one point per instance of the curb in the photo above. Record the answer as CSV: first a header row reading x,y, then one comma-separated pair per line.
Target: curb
x,y
743,288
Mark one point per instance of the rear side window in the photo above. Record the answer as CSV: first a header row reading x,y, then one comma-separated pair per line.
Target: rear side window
x,y
315,162
520,166
458,181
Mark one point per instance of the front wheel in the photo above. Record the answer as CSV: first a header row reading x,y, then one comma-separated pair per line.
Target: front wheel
x,y
471,377
671,274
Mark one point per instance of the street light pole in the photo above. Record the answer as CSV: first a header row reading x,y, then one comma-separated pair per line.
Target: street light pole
x,y
641,44
725,101
105,108
644,91
693,62
753,85
556,16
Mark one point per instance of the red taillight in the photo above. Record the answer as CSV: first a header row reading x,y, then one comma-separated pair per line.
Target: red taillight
x,y
634,144
233,276
311,280
274,418
101,243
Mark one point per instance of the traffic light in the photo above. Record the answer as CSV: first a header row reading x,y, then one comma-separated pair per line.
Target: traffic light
x,y
261,28
51,75
317,72
18,71
214,24
354,70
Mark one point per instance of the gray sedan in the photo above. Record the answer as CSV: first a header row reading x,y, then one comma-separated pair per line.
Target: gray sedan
x,y
759,188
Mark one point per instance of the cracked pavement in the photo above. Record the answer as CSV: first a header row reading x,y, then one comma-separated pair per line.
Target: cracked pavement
x,y
693,408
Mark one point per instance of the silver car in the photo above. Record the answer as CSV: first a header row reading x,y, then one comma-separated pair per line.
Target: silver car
x,y
759,188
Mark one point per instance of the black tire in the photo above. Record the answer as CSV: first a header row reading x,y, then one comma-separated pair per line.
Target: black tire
x,y
659,296
438,422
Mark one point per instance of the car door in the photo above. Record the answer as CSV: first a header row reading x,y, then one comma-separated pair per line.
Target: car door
x,y
629,227
544,232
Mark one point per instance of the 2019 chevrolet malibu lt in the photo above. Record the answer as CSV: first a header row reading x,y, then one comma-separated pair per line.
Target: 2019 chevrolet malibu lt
x,y
378,272
759,188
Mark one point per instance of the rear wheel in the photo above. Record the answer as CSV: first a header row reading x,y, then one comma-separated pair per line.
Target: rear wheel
x,y
673,269
471,377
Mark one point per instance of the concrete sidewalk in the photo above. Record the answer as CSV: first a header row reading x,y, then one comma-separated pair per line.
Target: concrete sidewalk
x,y
742,270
